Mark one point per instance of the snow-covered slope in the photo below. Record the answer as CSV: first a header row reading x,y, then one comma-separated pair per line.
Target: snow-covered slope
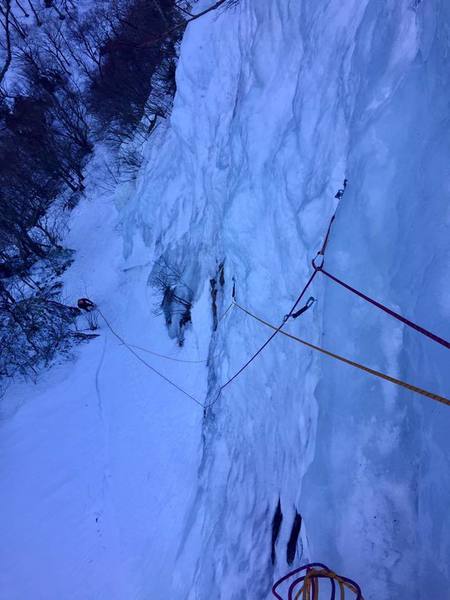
x,y
114,484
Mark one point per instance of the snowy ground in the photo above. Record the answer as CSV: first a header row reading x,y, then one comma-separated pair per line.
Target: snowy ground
x,y
115,485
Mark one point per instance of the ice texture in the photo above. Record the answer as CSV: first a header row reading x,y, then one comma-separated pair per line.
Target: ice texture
x,y
115,485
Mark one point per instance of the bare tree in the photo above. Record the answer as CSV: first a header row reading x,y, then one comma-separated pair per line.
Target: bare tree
x,y
184,24
77,72
35,13
6,12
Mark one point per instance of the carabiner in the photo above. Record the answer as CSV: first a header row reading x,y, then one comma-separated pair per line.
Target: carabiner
x,y
318,267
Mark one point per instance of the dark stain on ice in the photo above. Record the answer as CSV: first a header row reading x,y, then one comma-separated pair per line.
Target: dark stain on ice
x,y
293,538
276,526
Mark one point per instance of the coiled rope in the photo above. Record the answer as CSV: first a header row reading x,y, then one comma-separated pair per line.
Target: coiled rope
x,y
310,576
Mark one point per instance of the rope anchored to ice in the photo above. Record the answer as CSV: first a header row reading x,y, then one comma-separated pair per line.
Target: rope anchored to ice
x,y
317,263
318,266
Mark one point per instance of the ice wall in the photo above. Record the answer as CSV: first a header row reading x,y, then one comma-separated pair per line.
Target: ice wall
x,y
379,485
115,485
277,101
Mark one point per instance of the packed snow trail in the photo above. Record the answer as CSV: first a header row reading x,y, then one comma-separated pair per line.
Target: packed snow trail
x,y
115,487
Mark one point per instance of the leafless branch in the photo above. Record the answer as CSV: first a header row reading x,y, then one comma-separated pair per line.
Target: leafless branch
x,y
8,58
215,6
25,14
36,16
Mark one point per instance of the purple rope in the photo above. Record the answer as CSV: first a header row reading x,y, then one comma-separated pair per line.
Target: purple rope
x,y
387,310
291,574
266,343
316,575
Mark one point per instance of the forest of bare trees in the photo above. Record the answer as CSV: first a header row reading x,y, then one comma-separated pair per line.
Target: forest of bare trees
x,y
71,73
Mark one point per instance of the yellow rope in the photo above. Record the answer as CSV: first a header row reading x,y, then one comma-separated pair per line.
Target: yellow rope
x,y
352,363
313,573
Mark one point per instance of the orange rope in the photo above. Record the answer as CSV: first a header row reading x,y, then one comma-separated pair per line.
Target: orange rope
x,y
304,592
352,363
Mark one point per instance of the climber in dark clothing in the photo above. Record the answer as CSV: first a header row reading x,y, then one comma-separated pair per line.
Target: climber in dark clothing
x,y
85,304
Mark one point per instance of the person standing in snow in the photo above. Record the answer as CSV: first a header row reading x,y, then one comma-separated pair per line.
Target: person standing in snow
x,y
85,304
